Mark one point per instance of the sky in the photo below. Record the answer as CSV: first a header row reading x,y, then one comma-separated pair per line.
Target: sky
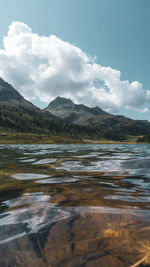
x,y
96,52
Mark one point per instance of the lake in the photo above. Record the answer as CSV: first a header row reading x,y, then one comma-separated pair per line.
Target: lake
x,y
74,205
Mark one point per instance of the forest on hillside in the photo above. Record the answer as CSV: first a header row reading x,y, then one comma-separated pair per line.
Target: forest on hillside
x,y
21,119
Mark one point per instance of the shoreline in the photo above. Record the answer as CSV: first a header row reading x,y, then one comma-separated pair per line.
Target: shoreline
x,y
51,142
7,138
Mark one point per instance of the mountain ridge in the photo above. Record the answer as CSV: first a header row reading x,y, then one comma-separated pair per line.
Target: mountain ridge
x,y
69,119
18,114
75,113
9,95
82,115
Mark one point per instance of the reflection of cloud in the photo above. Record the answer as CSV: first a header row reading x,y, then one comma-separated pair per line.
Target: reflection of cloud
x,y
9,239
29,176
44,67
144,110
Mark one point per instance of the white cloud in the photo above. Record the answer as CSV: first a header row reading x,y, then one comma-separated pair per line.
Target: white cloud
x,y
45,67
144,110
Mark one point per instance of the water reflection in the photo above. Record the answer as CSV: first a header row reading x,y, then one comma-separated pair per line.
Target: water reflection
x,y
28,176
74,205
57,181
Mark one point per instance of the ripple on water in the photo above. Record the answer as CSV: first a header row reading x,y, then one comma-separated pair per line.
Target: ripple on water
x,y
128,198
29,176
30,219
28,198
57,180
39,152
140,183
103,215
27,160
36,216
71,166
92,166
44,161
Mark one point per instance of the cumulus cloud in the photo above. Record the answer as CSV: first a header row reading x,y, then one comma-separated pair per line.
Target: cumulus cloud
x,y
43,67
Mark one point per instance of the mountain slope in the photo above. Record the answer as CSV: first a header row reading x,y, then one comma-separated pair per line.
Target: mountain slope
x,y
97,118
8,95
70,112
28,120
77,121
18,114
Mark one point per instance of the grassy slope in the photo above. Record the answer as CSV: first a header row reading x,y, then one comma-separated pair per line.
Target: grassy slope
x,y
31,138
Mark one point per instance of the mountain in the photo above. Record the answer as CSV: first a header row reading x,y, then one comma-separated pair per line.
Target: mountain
x,y
64,118
95,117
16,113
20,115
8,95
76,114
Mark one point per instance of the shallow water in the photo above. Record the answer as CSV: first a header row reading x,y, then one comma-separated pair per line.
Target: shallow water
x,y
74,205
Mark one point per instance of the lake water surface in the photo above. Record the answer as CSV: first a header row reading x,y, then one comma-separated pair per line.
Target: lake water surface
x,y
74,205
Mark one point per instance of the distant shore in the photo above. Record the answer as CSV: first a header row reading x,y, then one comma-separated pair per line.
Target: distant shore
x,y
30,138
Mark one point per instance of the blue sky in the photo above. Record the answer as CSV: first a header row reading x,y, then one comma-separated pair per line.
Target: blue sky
x,y
115,31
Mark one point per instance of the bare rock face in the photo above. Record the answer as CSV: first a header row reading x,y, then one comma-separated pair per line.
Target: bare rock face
x,y
78,114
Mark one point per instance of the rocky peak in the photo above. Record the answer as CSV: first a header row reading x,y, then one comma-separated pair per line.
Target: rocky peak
x,y
60,101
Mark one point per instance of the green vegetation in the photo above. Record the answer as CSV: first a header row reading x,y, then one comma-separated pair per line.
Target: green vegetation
x,y
25,123
115,127
144,139
12,137
20,125
31,138
34,121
